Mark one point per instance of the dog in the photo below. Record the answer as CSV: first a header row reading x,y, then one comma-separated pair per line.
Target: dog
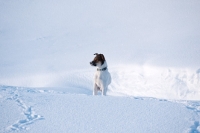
x,y
102,77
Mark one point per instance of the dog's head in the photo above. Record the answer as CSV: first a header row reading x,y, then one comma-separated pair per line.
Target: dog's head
x,y
98,60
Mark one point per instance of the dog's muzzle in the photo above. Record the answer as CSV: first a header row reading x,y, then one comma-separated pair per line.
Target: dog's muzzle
x,y
93,63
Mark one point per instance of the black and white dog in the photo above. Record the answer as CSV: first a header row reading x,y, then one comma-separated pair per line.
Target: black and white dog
x,y
102,77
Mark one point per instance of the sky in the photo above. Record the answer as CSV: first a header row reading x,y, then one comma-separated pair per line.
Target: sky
x,y
44,36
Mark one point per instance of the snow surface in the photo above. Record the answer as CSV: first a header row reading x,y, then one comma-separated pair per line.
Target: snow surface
x,y
43,110
152,49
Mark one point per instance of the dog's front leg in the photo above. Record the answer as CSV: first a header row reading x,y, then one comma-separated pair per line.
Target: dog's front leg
x,y
104,90
95,89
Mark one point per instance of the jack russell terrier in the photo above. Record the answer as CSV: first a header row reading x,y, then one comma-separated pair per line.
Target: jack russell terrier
x,y
102,77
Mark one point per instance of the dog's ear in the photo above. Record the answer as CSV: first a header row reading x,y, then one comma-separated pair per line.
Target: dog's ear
x,y
102,56
96,54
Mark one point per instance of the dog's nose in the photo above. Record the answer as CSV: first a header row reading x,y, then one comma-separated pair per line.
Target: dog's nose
x,y
92,63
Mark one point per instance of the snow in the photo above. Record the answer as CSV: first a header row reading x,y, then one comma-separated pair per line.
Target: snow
x,y
41,110
151,47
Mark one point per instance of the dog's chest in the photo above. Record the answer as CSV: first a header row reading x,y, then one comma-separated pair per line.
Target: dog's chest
x,y
100,76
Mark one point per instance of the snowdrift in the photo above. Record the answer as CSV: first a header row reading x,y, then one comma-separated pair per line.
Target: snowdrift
x,y
127,80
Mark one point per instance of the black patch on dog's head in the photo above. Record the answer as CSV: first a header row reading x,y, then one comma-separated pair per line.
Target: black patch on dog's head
x,y
98,58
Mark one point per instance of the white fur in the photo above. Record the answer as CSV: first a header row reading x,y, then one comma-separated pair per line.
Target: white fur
x,y
101,80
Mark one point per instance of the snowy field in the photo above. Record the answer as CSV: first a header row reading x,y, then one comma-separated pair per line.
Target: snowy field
x,y
46,110
152,50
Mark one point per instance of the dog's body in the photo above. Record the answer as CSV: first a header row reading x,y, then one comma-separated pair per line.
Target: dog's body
x,y
102,77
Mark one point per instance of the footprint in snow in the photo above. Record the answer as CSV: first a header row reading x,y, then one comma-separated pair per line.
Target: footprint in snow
x,y
30,115
195,128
